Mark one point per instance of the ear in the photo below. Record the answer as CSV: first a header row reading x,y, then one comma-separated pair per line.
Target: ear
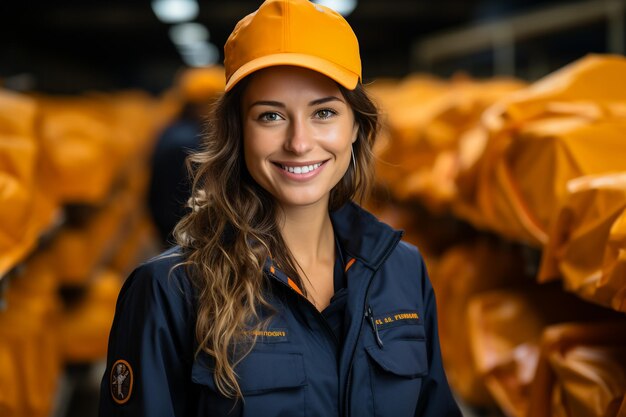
x,y
355,132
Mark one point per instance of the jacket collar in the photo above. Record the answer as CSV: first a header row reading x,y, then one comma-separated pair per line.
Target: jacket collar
x,y
363,236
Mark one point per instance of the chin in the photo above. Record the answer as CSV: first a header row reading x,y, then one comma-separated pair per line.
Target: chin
x,y
301,201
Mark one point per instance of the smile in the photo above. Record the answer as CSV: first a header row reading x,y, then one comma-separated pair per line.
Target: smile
x,y
300,169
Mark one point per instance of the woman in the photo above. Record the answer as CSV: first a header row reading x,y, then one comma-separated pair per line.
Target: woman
x,y
284,297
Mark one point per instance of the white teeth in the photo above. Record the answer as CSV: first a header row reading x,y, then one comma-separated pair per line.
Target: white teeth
x,y
305,169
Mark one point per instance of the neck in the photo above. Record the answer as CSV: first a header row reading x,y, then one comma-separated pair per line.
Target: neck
x,y
308,233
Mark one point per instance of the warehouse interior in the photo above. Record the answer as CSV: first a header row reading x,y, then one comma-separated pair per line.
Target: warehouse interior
x,y
501,157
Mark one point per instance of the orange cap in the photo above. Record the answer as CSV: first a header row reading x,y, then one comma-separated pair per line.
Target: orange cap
x,y
198,85
293,32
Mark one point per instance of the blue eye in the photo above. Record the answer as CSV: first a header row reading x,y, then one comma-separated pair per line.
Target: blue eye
x,y
269,117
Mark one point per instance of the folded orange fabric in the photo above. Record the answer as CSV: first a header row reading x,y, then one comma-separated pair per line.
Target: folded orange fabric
x,y
9,395
581,371
426,120
463,272
79,251
622,410
28,329
567,125
18,155
77,145
141,243
505,329
449,134
24,210
588,240
133,117
84,329
406,111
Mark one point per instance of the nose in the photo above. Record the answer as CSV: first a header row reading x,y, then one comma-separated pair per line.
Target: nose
x,y
299,140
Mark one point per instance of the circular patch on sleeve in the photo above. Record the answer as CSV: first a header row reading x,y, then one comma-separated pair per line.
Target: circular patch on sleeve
x,y
121,381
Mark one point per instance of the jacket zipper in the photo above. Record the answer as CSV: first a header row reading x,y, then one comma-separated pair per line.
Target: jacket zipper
x,y
349,379
366,303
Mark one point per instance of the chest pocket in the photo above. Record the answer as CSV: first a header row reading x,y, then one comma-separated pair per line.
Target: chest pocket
x,y
397,368
272,383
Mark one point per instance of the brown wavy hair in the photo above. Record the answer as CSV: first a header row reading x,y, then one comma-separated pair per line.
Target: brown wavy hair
x,y
232,229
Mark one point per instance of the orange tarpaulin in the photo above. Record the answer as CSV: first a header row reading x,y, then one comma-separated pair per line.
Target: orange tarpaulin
x,y
405,110
77,142
140,244
587,245
89,142
567,125
84,329
461,273
80,250
426,120
581,371
9,390
505,329
24,211
28,330
448,133
622,410
134,120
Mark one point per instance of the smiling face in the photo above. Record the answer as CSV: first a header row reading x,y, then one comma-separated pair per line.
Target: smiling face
x,y
298,131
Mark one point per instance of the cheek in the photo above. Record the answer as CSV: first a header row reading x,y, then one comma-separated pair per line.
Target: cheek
x,y
256,149
339,139
250,151
258,142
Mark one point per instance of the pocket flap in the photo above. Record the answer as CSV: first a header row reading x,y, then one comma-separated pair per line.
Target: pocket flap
x,y
259,372
405,358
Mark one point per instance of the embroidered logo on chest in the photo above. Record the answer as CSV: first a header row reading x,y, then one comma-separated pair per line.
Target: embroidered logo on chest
x,y
395,319
270,335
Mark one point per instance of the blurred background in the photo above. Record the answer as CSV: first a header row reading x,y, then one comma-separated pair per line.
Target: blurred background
x,y
502,157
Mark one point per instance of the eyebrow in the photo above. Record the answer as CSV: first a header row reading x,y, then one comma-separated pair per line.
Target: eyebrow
x,y
325,100
282,105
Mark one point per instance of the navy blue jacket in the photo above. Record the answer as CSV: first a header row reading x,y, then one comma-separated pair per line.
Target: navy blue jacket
x,y
388,365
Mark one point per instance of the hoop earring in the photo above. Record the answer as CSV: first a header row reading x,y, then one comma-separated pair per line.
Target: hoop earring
x,y
352,153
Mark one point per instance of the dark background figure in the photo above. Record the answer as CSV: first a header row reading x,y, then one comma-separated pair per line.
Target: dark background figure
x,y
170,183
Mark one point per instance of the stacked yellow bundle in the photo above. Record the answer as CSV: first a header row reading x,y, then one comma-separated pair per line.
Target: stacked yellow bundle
x,y
430,129
24,209
28,333
86,160
536,170
88,142
542,366
581,371
84,328
587,241
465,271
565,126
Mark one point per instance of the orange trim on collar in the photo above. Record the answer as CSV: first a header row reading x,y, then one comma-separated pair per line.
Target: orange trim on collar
x,y
272,269
294,286
349,264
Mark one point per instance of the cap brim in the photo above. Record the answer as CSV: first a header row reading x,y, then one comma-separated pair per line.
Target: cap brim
x,y
341,75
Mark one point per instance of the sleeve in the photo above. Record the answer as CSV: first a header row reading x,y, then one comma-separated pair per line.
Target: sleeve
x,y
151,344
436,399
